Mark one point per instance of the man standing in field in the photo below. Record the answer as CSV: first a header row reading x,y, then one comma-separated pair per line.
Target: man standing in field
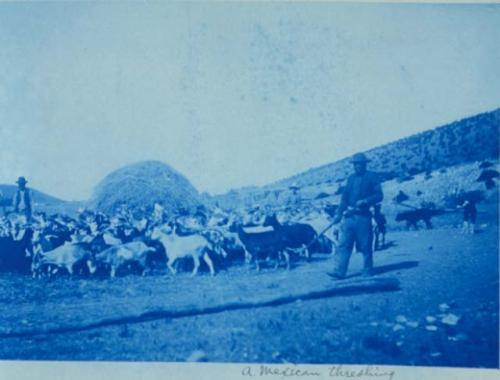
x,y
362,191
470,215
22,201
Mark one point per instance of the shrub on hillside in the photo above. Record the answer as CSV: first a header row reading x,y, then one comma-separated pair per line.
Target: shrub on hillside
x,y
401,197
322,195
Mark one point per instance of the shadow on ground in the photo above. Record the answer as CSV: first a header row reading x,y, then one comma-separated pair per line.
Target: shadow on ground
x,y
389,268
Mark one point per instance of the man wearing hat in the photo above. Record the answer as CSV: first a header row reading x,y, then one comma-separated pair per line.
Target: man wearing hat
x,y
362,191
22,199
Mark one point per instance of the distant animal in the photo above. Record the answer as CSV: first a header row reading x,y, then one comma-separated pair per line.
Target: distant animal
x,y
176,247
485,164
263,245
295,235
412,217
487,177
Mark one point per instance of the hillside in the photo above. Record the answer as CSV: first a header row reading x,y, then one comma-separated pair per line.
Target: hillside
x,y
8,192
473,139
141,185
468,140
41,201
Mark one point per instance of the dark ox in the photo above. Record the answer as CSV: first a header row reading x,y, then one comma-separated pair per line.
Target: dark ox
x,y
412,217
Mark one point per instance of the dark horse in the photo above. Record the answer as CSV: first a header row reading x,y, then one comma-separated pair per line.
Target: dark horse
x,y
295,236
16,255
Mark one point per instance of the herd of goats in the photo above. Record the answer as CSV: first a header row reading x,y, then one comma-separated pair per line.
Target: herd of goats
x,y
93,243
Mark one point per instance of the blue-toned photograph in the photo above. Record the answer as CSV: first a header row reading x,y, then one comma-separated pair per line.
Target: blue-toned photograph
x,y
250,182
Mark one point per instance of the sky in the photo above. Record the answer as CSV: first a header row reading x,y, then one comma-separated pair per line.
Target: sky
x,y
230,94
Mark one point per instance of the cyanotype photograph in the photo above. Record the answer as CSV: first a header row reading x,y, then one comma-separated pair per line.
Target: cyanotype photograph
x,y
271,184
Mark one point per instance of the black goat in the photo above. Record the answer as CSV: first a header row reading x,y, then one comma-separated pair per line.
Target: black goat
x,y
295,236
263,245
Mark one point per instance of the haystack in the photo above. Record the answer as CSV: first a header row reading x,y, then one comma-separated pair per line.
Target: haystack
x,y
141,185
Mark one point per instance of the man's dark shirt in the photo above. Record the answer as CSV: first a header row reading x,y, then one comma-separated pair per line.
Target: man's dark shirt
x,y
364,187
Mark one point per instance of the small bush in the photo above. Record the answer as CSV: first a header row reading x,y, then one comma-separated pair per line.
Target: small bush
x,y
401,197
322,195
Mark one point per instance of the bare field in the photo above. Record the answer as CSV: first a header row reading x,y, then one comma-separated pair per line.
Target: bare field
x,y
407,326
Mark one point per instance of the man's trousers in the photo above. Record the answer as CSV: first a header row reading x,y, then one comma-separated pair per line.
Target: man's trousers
x,y
355,229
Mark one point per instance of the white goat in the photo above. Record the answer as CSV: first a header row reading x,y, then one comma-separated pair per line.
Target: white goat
x,y
177,247
117,256
64,256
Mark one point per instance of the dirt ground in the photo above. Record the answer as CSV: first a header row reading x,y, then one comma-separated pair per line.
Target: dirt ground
x,y
445,314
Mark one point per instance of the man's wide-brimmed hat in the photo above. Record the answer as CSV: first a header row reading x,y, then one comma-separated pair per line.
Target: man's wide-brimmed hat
x,y
359,157
21,180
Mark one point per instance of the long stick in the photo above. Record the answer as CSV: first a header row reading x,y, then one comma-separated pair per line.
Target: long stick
x,y
320,234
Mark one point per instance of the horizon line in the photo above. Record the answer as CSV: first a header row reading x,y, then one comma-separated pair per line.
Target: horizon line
x,y
273,183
